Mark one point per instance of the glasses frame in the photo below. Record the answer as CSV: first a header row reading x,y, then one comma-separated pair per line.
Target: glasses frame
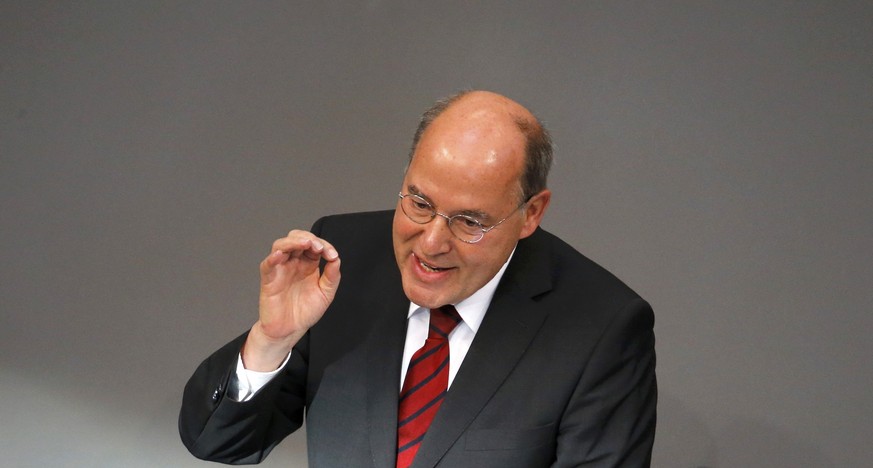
x,y
450,219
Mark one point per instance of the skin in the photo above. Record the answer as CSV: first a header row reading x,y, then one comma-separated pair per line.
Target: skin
x,y
470,159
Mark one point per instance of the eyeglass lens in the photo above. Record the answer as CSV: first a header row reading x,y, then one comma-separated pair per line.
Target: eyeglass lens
x,y
420,211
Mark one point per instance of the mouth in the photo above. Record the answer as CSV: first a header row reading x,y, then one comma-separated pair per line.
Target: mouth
x,y
427,266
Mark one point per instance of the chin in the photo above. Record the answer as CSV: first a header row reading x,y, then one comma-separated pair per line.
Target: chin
x,y
425,297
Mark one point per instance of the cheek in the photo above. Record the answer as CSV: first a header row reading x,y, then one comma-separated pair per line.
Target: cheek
x,y
468,257
482,263
404,229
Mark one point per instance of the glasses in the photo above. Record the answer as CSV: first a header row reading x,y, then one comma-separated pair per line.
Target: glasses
x,y
466,228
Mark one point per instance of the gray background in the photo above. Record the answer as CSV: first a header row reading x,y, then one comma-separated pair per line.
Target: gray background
x,y
715,155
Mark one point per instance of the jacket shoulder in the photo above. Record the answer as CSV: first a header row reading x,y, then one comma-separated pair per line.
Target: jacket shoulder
x,y
366,224
548,264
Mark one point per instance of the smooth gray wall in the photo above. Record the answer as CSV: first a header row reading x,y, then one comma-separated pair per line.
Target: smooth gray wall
x,y
715,155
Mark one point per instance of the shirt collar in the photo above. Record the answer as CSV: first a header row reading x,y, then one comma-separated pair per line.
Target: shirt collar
x,y
472,309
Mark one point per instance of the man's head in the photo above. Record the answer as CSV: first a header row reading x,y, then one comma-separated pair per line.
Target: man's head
x,y
481,155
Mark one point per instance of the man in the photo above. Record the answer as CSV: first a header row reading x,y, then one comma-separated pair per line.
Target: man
x,y
539,356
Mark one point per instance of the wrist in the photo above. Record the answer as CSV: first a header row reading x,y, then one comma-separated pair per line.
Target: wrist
x,y
263,353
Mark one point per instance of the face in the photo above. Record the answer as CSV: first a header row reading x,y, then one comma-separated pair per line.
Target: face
x,y
461,170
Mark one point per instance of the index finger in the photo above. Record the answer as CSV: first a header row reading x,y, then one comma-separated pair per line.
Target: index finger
x,y
298,243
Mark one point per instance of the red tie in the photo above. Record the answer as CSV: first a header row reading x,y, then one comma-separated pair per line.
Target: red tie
x,y
427,379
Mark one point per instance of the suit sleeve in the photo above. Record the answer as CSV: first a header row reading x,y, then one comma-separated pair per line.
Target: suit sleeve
x,y
610,419
214,427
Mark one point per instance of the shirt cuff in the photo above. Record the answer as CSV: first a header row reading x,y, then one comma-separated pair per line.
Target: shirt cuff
x,y
248,382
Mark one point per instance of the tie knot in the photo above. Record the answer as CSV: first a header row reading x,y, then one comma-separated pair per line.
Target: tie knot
x,y
442,321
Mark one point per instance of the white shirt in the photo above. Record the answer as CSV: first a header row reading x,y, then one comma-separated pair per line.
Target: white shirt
x,y
472,311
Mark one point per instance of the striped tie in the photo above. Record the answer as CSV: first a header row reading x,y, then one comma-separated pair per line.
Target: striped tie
x,y
427,379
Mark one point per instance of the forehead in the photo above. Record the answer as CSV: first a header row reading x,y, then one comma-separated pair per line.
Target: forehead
x,y
469,156
458,188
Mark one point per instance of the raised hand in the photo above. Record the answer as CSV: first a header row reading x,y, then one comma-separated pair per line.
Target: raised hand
x,y
294,296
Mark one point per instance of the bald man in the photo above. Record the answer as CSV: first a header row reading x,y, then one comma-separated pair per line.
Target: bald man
x,y
539,356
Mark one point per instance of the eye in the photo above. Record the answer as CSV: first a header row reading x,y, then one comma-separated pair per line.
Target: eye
x,y
469,223
420,204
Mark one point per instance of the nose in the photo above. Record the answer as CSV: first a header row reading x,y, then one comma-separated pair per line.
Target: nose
x,y
437,237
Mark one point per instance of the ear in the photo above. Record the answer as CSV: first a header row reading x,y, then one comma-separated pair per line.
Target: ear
x,y
534,211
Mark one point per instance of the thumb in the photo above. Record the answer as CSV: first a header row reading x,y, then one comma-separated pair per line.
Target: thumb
x,y
330,278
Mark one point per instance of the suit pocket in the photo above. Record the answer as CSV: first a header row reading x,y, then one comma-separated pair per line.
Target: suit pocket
x,y
509,439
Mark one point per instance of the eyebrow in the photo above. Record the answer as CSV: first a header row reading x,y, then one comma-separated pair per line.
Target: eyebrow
x,y
477,214
415,191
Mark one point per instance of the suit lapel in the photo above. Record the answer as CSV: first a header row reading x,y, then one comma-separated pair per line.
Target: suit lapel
x,y
384,353
511,323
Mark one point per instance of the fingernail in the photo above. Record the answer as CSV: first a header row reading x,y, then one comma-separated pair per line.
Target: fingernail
x,y
331,254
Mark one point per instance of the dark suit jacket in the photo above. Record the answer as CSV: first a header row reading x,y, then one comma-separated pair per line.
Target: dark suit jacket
x,y
561,372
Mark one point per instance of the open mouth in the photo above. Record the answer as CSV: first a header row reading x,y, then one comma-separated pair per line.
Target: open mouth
x,y
428,267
